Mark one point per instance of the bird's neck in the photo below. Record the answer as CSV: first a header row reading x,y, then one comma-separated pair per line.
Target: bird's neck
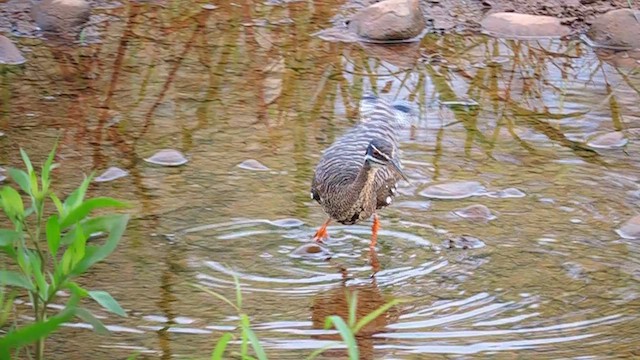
x,y
364,181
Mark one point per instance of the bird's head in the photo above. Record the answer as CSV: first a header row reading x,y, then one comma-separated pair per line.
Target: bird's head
x,y
380,153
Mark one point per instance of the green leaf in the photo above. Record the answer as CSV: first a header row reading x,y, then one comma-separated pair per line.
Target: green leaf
x,y
57,202
67,261
46,169
23,261
7,306
114,225
346,334
9,237
108,302
76,197
36,264
81,211
221,346
26,160
78,247
373,315
253,339
32,333
53,235
13,278
97,325
12,203
21,178
76,289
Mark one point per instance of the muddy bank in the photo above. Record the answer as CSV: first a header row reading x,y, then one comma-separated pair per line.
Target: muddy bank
x,y
442,16
460,15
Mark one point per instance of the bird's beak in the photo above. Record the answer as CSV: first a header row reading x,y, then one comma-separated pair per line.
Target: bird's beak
x,y
396,168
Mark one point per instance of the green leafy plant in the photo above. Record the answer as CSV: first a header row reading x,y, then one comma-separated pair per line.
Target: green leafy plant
x,y
49,252
347,330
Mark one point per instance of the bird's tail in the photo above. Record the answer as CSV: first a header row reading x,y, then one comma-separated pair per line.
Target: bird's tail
x,y
403,112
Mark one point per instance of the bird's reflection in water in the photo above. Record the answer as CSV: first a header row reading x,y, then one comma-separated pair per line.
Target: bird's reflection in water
x,y
369,299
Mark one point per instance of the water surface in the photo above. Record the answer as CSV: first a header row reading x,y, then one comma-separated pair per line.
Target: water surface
x,y
247,81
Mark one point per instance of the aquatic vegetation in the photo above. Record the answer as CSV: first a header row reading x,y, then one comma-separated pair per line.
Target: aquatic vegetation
x,y
48,252
347,329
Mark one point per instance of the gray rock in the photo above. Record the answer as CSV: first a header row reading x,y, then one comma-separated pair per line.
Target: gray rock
x,y
617,29
60,16
389,20
523,26
9,53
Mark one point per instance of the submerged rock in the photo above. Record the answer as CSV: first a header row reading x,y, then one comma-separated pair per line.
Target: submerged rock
x,y
287,223
9,53
463,242
514,25
252,164
454,190
617,29
507,193
389,20
167,157
111,174
311,251
612,140
60,15
475,212
630,229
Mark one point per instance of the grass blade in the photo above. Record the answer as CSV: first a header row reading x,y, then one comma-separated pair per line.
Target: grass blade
x,y
346,334
253,339
352,300
221,346
238,292
373,315
213,293
317,352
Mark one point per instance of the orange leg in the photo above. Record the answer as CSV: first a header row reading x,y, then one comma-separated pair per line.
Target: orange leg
x,y
374,231
321,234
373,260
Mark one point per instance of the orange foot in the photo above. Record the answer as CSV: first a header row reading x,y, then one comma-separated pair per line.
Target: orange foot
x,y
322,234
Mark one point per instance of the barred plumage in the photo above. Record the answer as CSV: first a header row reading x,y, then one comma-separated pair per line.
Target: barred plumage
x,y
358,173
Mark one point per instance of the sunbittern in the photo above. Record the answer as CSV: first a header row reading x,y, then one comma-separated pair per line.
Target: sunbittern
x,y
359,172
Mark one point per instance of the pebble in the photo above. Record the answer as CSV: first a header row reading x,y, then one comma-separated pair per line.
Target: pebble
x,y
454,190
311,251
167,157
611,140
252,164
111,174
630,229
475,212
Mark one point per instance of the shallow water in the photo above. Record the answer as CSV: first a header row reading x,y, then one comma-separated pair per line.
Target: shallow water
x,y
249,82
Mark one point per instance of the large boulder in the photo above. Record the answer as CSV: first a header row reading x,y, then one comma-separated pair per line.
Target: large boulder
x,y
9,53
617,29
523,26
60,16
389,20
